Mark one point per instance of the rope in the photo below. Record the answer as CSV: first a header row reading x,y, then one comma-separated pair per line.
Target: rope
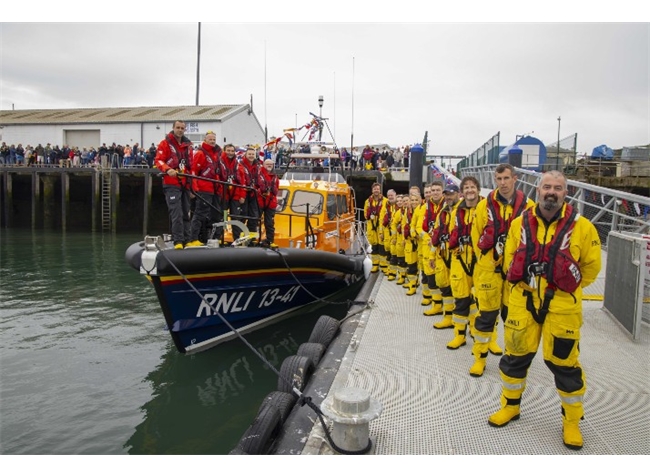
x,y
302,399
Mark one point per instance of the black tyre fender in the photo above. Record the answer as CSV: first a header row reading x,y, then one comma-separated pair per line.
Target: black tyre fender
x,y
313,350
324,331
295,372
283,401
257,439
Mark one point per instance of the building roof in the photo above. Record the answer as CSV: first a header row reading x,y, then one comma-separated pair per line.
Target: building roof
x,y
120,114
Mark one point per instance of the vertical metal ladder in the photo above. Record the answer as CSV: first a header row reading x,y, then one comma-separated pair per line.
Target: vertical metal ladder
x,y
106,195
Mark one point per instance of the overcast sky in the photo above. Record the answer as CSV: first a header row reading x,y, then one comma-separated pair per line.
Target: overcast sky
x,y
383,82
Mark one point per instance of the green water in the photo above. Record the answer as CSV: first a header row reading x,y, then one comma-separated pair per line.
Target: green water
x,y
86,366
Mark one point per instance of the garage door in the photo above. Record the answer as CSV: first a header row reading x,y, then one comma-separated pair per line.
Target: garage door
x,y
82,138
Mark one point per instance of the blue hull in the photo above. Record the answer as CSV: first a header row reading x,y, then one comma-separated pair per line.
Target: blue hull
x,y
207,293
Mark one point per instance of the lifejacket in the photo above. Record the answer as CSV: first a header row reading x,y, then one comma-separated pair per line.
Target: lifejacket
x,y
552,260
496,228
178,159
430,215
210,171
374,208
462,232
440,234
389,215
406,229
461,238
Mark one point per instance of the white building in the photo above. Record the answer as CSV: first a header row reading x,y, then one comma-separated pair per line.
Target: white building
x,y
233,124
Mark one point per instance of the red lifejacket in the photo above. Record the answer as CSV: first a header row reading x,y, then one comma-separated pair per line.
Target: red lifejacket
x,y
441,232
496,228
389,215
430,215
178,159
406,229
552,260
374,207
462,232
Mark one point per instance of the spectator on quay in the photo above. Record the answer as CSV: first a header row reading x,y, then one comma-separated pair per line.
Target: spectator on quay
x,y
30,156
76,157
355,160
12,155
399,157
128,155
92,155
407,153
151,155
40,153
345,158
4,153
20,154
368,154
390,159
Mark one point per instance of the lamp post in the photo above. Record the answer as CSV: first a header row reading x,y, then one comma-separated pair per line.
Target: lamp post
x,y
320,114
559,118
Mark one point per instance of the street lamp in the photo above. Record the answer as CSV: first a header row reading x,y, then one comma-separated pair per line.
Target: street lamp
x,y
320,125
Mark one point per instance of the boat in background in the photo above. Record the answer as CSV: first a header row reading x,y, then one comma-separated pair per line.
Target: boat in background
x,y
209,294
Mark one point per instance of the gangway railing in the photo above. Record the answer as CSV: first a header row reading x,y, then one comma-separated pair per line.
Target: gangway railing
x,y
608,209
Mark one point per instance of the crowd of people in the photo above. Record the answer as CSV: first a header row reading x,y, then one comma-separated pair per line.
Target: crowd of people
x,y
477,259
73,156
119,156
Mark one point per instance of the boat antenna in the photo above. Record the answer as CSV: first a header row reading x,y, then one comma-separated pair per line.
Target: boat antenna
x,y
352,125
198,64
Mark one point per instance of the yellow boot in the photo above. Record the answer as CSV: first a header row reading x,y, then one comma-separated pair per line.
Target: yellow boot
x,y
401,277
480,355
383,265
426,294
493,346
412,284
436,303
572,413
392,272
436,308
375,263
446,323
459,340
509,412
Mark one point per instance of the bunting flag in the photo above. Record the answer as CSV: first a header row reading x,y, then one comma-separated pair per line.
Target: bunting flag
x,y
313,126
637,208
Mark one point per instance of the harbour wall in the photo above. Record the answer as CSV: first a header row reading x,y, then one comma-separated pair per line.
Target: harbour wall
x,y
117,200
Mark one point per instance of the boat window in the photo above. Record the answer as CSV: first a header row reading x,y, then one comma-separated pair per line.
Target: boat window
x,y
343,204
331,207
282,200
303,198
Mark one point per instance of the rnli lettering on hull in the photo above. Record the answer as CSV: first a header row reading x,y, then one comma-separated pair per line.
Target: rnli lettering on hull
x,y
239,301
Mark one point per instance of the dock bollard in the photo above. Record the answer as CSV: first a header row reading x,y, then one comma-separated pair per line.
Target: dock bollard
x,y
351,411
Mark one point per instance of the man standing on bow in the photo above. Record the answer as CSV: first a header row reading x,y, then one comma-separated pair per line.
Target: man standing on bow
x,y
551,254
268,185
174,156
208,202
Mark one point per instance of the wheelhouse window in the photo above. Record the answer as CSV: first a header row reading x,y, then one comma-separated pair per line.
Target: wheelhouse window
x,y
301,199
282,200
